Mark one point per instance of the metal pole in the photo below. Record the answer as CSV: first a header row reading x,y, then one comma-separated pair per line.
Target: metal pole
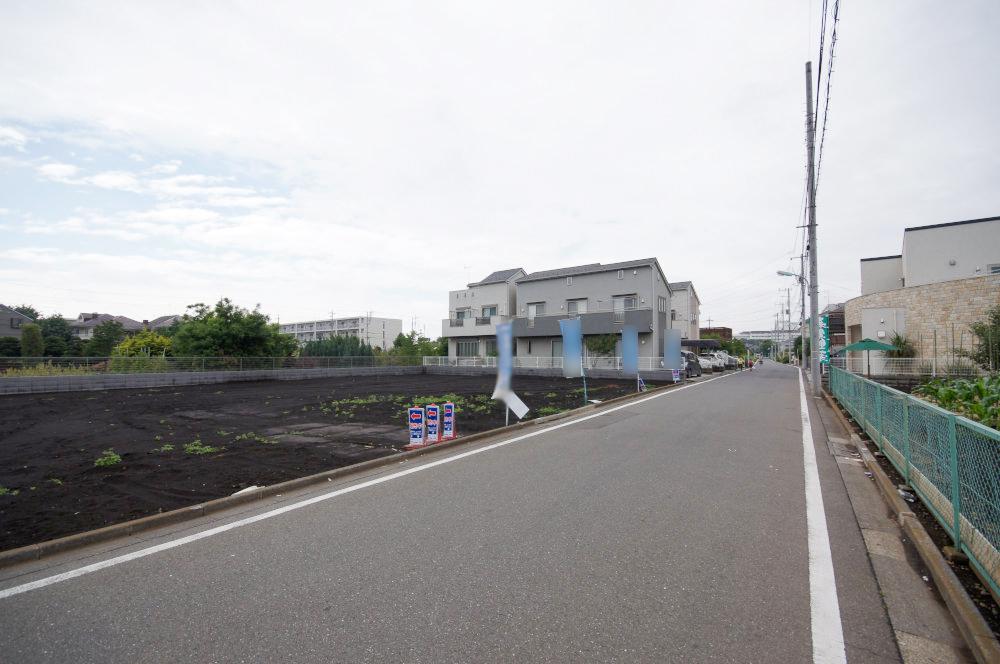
x,y
813,268
802,313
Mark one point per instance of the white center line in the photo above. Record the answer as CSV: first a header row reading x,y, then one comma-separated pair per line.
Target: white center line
x,y
827,630
148,551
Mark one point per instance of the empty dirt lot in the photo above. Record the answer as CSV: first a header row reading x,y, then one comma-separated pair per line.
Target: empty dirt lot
x,y
179,446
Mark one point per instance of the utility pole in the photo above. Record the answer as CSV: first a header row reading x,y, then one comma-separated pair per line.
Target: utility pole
x,y
813,276
788,323
802,313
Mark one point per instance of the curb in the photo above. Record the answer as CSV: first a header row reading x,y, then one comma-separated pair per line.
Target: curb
x,y
977,634
127,528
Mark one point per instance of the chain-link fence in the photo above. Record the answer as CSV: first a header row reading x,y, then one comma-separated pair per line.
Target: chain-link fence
x,y
951,462
69,366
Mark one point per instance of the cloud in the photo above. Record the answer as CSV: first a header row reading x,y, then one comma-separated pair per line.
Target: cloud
x,y
176,215
115,180
246,201
13,138
166,168
58,171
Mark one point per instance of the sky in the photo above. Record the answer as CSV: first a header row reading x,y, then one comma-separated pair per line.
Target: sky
x,y
344,158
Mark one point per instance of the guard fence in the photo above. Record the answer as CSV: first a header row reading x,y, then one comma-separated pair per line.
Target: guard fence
x,y
951,462
56,366
614,363
929,367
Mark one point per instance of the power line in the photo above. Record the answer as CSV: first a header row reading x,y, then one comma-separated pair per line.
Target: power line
x,y
829,77
822,45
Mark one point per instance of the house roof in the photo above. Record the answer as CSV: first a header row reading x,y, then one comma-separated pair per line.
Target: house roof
x,y
591,268
951,223
163,321
94,321
497,277
881,258
679,285
15,312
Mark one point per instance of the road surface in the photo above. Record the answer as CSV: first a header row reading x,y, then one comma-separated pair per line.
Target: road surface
x,y
670,529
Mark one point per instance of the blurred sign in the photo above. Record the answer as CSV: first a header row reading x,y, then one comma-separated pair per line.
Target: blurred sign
x,y
505,369
672,350
630,350
676,373
433,417
824,339
572,334
417,433
447,421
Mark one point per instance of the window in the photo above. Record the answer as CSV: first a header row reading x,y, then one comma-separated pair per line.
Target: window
x,y
576,307
569,281
15,323
621,274
624,302
673,314
467,348
490,310
461,314
662,303
536,309
491,347
993,269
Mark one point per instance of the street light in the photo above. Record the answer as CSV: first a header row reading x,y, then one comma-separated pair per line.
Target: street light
x,y
802,316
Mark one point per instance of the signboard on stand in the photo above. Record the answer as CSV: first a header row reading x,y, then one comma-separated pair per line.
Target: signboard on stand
x,y
432,415
824,339
415,416
447,421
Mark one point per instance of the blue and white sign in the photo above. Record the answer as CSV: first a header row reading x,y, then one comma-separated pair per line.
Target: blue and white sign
x,y
672,350
447,421
433,416
417,431
572,334
630,350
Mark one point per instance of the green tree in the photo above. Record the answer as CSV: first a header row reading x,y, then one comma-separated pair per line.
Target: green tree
x,y
987,332
28,311
107,335
227,330
56,334
10,347
601,344
415,345
766,346
797,346
339,346
146,343
31,340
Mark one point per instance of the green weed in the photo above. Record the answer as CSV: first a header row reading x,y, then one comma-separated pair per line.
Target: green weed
x,y
196,447
108,458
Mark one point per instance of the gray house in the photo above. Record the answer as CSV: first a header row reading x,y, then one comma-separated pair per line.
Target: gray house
x,y
11,322
474,311
605,297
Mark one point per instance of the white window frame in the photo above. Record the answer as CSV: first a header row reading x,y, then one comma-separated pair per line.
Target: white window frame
x,y
621,274
573,306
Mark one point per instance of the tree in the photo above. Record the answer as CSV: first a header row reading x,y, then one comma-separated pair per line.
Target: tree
x,y
10,347
146,342
604,345
31,341
28,311
766,346
107,335
987,332
339,346
414,345
797,346
227,330
56,334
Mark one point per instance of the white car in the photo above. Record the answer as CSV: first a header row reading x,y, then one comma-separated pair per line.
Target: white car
x,y
706,363
717,363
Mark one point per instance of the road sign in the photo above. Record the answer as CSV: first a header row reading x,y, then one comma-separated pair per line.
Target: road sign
x,y
415,417
447,421
433,416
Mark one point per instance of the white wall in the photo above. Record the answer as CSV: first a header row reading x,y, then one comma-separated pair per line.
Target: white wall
x,y
928,253
881,274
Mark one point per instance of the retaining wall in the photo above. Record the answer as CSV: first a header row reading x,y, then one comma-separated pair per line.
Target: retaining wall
x,y
658,375
36,384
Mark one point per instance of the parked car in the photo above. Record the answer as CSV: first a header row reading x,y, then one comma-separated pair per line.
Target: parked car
x,y
706,363
691,365
728,361
717,363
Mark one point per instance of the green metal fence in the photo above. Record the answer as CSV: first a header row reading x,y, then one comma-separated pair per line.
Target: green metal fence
x,y
951,462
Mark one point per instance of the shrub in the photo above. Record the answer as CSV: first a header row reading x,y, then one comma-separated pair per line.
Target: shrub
x,y
32,344
108,458
977,400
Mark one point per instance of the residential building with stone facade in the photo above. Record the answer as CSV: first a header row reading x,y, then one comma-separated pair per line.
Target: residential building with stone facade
x,y
946,278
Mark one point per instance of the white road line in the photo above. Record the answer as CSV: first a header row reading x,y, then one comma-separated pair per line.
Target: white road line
x,y
827,631
142,553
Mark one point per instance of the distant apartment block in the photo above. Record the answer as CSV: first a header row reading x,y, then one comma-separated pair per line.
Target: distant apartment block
x,y
11,322
605,297
685,309
474,311
374,331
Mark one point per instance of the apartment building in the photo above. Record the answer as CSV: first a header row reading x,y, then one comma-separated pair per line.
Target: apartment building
x,y
11,322
372,330
474,311
685,309
605,297
946,278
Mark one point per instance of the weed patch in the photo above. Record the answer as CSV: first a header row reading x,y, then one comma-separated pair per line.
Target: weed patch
x,y
108,458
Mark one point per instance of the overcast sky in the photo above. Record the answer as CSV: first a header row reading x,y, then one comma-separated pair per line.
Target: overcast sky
x,y
367,156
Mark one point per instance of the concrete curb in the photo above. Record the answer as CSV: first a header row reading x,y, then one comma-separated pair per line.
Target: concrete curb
x,y
127,528
977,634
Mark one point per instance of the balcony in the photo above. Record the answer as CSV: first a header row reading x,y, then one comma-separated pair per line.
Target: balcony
x,y
479,326
594,322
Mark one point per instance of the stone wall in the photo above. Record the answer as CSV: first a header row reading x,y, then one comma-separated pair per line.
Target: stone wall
x,y
940,307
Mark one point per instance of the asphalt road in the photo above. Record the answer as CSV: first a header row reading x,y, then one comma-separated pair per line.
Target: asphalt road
x,y
671,530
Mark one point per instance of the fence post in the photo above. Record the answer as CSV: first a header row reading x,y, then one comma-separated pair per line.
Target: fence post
x,y
241,364
203,364
956,488
880,414
906,440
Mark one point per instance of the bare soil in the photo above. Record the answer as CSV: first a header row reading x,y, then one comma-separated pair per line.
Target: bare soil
x,y
179,446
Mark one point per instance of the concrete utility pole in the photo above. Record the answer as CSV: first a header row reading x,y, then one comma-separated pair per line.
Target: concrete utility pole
x,y
802,313
813,276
